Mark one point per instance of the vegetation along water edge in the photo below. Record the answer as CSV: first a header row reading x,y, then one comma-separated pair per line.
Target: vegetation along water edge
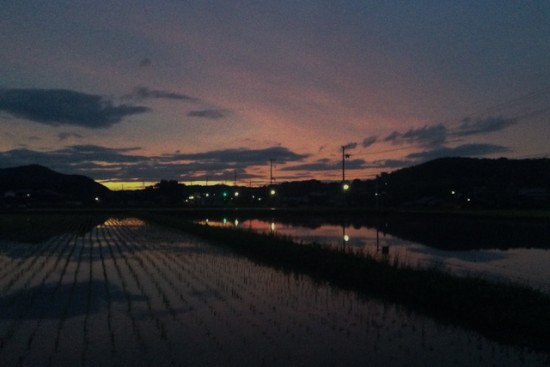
x,y
503,311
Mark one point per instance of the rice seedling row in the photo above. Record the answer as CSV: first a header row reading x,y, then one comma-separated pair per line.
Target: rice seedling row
x,y
40,294
296,322
124,318
283,317
226,282
12,301
137,271
201,271
236,326
126,292
73,307
87,295
384,321
170,292
64,303
67,327
163,294
108,292
123,331
207,271
44,292
15,270
194,296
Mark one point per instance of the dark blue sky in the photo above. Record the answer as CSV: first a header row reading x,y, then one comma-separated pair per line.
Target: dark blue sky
x,y
135,90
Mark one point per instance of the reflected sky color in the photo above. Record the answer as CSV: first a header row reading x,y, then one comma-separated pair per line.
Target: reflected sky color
x,y
189,90
129,294
524,265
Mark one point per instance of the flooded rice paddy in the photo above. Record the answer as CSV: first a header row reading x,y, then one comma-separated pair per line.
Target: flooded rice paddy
x,y
122,292
499,251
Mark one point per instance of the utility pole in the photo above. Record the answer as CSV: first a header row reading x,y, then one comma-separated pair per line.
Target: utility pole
x,y
343,164
344,156
271,171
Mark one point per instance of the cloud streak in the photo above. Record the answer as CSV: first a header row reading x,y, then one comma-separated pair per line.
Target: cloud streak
x,y
122,164
368,141
242,155
427,136
469,127
434,136
327,165
57,107
465,150
211,114
144,93
65,136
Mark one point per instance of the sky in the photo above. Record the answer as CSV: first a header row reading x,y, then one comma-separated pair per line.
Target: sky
x,y
208,91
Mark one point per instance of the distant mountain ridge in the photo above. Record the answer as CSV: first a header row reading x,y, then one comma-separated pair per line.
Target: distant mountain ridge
x,y
41,183
477,171
441,183
499,182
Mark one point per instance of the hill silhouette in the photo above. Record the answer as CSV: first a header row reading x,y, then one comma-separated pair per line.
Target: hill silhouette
x,y
441,183
35,184
480,182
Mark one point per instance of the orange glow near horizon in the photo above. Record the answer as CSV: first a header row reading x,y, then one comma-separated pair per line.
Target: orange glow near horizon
x,y
140,185
282,176
125,185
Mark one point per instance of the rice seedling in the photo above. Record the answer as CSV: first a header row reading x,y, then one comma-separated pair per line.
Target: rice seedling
x,y
171,298
492,308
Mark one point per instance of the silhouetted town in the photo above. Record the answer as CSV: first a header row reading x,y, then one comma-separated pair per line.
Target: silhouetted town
x,y
450,183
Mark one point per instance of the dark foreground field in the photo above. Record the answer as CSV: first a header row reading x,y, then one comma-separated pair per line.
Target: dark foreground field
x,y
121,291
512,312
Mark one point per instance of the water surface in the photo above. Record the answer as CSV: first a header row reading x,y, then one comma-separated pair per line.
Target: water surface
x,y
505,251
128,293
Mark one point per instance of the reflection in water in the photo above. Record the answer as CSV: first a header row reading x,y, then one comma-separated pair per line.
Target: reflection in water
x,y
123,222
50,301
36,228
525,265
129,294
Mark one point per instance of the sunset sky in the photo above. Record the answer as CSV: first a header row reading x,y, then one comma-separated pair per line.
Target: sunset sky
x,y
141,91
